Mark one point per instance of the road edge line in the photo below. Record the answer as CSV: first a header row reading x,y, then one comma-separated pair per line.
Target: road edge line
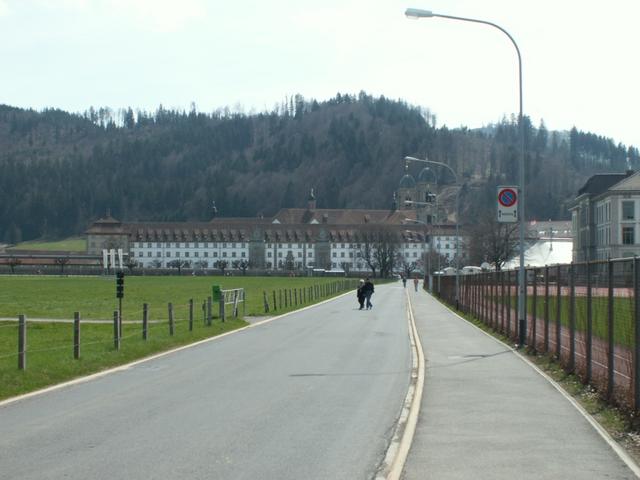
x,y
613,444
119,368
396,456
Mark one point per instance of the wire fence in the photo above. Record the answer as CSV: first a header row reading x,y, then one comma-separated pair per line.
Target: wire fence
x,y
585,315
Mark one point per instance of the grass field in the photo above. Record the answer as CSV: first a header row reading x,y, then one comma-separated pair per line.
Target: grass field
x,y
623,332
72,244
50,345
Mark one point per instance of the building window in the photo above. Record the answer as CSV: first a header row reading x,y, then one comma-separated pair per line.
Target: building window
x,y
628,210
334,254
139,254
299,254
310,254
206,254
148,254
279,254
186,254
196,254
224,254
233,254
628,236
268,254
177,254
243,254
168,254
158,254
148,245
342,254
215,254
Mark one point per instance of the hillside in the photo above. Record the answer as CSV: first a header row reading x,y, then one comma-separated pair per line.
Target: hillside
x,y
59,171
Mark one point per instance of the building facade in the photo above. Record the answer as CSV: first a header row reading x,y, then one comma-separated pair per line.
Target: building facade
x,y
293,239
606,217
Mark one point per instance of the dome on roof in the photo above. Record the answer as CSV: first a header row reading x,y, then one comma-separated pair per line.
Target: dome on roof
x,y
407,182
427,176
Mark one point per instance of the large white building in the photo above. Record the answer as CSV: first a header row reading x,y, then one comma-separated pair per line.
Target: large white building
x,y
293,239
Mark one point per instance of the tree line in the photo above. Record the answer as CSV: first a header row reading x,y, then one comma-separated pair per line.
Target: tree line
x,y
59,171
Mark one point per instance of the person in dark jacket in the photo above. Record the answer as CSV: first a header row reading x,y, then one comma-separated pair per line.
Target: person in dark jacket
x,y
367,288
360,294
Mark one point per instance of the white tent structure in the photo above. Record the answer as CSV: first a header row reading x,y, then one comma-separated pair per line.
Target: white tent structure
x,y
544,252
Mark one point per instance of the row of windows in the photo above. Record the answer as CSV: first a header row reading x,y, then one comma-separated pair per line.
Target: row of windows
x,y
188,245
309,254
195,254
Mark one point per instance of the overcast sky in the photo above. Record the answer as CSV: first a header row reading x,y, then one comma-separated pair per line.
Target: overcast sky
x,y
581,58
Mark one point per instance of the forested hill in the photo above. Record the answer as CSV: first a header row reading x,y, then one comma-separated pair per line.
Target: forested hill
x,y
60,171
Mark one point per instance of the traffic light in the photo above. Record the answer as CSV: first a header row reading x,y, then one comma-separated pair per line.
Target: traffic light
x,y
120,284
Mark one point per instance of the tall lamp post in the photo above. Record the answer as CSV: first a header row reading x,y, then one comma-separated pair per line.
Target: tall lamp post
x,y
522,319
413,159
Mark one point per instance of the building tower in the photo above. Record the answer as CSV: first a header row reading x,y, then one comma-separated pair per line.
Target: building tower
x,y
407,190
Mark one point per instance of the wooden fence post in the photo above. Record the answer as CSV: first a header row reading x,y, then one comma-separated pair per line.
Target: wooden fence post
x,y
209,310
22,342
171,326
265,302
116,330
221,307
191,314
275,306
76,335
145,321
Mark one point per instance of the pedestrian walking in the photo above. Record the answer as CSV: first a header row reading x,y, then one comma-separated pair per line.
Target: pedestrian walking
x,y
415,283
404,281
368,289
360,294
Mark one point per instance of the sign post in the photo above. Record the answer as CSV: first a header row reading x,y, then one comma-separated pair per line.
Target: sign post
x,y
507,204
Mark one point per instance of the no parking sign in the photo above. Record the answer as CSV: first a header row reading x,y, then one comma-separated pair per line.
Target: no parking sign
x,y
508,204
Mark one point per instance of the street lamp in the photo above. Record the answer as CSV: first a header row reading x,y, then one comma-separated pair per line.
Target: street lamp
x,y
413,159
522,319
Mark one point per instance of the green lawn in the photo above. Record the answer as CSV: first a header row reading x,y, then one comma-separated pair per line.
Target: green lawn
x,y
50,345
623,333
94,297
72,244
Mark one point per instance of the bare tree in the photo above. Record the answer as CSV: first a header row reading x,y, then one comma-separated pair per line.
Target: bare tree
x,y
407,266
241,265
221,265
491,241
378,249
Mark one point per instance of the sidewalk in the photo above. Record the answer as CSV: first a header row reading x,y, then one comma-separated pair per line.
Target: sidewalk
x,y
486,414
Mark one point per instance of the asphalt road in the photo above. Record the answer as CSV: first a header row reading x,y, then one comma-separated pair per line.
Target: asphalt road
x,y
313,395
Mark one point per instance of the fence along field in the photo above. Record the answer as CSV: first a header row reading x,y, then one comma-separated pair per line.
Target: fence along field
x,y
586,315
50,345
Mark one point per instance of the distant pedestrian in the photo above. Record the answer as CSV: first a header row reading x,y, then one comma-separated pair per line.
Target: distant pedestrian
x,y
404,281
360,294
367,288
415,283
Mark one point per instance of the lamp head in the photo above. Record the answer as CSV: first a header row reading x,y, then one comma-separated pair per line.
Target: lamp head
x,y
416,13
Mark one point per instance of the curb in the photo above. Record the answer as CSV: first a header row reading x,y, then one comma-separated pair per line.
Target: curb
x,y
394,460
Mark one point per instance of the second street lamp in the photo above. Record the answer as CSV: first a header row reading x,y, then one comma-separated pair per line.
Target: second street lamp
x,y
522,319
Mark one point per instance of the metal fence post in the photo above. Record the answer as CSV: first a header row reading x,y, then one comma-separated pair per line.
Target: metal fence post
x,y
508,329
610,331
589,324
76,335
572,317
502,301
636,327
534,310
546,309
558,313
22,342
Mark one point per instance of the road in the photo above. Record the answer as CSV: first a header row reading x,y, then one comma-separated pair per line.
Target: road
x,y
312,395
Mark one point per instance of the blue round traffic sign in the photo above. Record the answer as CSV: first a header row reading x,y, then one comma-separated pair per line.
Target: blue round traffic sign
x,y
507,197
